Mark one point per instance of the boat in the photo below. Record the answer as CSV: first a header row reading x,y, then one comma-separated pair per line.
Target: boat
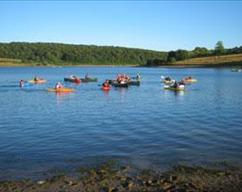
x,y
110,81
120,84
134,82
189,80
72,80
26,84
61,90
88,79
167,80
236,70
173,88
106,88
137,77
38,81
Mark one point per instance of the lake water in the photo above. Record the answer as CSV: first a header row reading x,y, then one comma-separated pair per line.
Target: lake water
x,y
41,132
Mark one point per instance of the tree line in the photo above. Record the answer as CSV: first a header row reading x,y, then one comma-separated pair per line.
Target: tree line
x,y
178,55
59,54
54,53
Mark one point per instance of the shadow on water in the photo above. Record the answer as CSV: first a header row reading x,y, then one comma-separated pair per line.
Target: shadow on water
x,y
176,93
122,90
9,86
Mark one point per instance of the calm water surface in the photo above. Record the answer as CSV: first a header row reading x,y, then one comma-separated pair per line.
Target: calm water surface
x,y
41,132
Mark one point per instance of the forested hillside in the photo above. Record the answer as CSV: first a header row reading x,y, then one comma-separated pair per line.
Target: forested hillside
x,y
20,53
53,53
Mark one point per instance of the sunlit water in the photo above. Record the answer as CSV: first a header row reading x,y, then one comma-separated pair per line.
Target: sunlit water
x,y
145,126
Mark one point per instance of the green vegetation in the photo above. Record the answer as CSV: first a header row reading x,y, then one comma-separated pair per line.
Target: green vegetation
x,y
201,56
20,54
59,54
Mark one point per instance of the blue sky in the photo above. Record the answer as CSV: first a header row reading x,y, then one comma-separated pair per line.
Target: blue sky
x,y
157,25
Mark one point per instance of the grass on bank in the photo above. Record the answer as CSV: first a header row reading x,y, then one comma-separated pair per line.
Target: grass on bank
x,y
212,60
233,59
6,62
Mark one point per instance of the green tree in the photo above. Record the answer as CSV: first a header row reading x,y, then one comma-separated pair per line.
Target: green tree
x,y
200,51
219,48
181,55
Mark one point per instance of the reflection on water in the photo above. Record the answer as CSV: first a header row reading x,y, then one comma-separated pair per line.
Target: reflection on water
x,y
41,130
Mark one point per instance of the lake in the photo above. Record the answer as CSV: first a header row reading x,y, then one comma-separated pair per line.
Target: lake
x,y
43,132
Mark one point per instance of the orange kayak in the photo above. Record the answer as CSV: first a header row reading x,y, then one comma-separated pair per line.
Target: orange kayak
x,y
39,81
61,90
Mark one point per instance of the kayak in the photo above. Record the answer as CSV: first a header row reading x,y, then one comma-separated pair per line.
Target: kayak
x,y
86,80
39,81
120,85
61,90
26,85
190,80
137,83
236,70
110,81
169,82
106,88
73,80
179,88
116,84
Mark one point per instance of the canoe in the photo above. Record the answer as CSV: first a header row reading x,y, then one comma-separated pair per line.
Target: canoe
x,y
180,88
72,80
86,80
38,81
105,88
61,90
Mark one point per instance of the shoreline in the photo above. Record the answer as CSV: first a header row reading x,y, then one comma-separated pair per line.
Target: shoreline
x,y
112,177
222,65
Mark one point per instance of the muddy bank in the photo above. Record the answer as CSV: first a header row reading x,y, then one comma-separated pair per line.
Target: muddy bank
x,y
112,178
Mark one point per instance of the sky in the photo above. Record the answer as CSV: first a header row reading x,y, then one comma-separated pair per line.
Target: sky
x,y
155,25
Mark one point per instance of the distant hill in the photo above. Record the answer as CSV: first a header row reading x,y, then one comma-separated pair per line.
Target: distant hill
x,y
66,54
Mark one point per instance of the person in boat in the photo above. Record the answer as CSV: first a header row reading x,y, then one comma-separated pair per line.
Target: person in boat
x,y
188,78
106,84
175,85
138,77
59,85
182,82
167,79
36,78
87,76
21,83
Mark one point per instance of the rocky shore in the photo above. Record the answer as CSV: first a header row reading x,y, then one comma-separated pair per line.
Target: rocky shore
x,y
113,178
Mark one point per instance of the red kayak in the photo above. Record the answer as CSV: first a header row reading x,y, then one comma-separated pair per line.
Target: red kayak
x,y
73,80
106,88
